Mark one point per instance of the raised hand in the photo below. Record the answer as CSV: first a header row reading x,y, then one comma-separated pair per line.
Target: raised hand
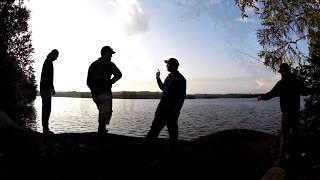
x,y
158,74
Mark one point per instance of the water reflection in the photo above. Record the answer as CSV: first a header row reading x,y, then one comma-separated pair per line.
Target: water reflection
x,y
133,117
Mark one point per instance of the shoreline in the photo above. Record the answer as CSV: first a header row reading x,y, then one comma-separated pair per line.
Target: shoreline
x,y
151,95
246,153
230,154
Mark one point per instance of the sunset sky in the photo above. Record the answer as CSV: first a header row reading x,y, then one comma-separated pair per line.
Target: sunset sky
x,y
208,37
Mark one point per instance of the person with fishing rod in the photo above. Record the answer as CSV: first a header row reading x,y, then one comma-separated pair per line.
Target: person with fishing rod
x,y
289,89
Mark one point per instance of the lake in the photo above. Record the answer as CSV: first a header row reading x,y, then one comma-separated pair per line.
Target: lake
x,y
133,117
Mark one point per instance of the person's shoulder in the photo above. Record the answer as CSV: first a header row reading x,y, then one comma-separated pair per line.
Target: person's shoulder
x,y
47,62
94,63
293,78
181,76
112,63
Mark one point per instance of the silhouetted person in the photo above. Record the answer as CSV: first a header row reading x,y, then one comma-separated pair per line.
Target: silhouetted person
x,y
47,89
168,110
289,89
100,81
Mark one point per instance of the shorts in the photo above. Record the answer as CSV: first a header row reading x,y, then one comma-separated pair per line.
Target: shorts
x,y
104,102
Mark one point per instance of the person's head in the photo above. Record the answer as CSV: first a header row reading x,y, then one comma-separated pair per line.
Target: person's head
x,y
107,52
53,55
172,64
284,69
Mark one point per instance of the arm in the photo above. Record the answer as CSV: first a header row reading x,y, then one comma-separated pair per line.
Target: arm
x,y
116,74
160,84
47,76
181,94
89,78
275,91
51,73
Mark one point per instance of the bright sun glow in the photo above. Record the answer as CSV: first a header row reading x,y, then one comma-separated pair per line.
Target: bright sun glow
x,y
79,36
143,34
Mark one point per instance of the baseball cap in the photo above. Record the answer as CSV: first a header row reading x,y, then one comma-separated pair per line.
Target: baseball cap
x,y
172,61
107,49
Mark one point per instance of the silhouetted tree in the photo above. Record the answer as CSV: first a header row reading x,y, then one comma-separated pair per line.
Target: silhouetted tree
x,y
286,24
17,80
287,27
310,74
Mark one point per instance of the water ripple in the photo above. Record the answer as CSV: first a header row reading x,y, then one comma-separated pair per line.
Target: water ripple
x,y
198,117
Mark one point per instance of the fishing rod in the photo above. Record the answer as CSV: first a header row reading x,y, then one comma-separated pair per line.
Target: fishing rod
x,y
252,57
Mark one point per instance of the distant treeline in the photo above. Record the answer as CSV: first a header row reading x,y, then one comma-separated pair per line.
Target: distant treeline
x,y
232,95
151,95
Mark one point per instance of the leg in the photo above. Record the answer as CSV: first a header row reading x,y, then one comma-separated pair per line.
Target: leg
x,y
104,119
284,134
294,119
172,125
157,125
104,105
46,110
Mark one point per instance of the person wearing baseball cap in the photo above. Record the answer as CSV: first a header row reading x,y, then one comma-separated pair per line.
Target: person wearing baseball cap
x,y
174,62
172,99
100,82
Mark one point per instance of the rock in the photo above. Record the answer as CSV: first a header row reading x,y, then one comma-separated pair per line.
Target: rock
x,y
275,173
6,122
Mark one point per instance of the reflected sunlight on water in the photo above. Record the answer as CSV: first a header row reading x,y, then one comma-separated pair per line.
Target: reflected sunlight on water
x,y
133,117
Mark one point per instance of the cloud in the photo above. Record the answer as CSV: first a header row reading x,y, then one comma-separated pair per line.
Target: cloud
x,y
132,16
193,3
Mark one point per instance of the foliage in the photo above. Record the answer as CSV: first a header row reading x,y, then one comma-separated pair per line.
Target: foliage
x,y
286,24
310,74
18,85
286,28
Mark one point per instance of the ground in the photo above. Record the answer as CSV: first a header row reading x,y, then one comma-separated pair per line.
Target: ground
x,y
231,154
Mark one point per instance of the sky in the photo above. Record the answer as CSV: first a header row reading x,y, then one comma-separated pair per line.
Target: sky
x,y
212,43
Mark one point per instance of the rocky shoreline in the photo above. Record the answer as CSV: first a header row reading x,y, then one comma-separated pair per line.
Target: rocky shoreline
x,y
230,154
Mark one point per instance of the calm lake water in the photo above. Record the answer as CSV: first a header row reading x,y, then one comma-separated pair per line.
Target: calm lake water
x,y
133,117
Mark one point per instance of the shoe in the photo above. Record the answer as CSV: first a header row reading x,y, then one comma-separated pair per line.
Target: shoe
x,y
102,131
48,133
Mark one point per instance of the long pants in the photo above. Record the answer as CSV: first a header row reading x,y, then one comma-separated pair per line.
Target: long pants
x,y
46,97
289,134
162,118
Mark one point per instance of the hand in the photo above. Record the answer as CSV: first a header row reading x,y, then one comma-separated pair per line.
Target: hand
x,y
53,92
158,74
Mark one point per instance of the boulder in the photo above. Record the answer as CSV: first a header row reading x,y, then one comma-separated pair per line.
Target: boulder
x,y
275,173
6,122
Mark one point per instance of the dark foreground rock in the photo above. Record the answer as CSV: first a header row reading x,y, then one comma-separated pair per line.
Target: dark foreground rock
x,y
232,154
